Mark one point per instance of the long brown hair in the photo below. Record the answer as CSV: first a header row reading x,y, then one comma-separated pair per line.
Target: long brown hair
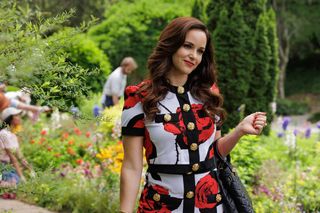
x,y
160,62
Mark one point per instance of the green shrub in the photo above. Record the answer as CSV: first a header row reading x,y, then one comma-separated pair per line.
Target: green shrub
x,y
85,53
288,107
315,117
246,158
97,195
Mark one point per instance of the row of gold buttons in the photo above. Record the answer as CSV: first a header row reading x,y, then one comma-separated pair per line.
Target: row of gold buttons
x,y
156,197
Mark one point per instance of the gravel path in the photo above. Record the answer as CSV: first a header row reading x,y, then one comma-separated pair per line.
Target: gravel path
x,y
15,206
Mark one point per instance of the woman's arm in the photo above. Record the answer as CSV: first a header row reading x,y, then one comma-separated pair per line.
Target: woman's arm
x,y
23,161
131,172
15,163
252,124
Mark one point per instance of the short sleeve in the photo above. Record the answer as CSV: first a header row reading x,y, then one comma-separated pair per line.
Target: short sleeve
x,y
4,141
132,119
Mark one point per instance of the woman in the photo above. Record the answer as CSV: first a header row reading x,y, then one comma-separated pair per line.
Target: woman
x,y
176,117
10,154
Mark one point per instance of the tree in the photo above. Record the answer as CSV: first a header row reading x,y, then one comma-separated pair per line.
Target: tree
x,y
271,93
198,10
234,62
257,99
298,32
251,55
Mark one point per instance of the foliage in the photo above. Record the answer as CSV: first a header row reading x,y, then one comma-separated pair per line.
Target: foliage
x,y
247,65
198,10
84,9
87,105
111,120
303,75
83,194
56,147
84,52
246,158
258,100
27,59
314,117
234,62
132,29
288,107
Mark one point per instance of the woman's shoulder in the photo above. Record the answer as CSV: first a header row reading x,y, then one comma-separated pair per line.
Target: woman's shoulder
x,y
135,93
131,89
138,90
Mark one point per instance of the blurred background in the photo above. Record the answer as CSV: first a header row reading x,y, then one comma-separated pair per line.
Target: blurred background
x,y
268,58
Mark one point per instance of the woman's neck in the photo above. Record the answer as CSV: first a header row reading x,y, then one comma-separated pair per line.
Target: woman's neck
x,y
177,80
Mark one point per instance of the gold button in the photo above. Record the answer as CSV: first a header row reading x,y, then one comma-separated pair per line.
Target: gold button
x,y
190,194
195,167
167,117
156,197
191,126
194,146
218,197
186,107
180,90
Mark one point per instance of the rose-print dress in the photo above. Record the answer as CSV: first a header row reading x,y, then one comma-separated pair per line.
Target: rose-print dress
x,y
179,152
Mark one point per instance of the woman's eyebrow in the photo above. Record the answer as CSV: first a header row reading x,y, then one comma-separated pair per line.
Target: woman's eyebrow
x,y
189,42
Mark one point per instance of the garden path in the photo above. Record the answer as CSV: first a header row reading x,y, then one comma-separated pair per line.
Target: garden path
x,y
15,206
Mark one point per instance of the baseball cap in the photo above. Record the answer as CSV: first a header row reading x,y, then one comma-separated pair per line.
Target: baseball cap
x,y
9,111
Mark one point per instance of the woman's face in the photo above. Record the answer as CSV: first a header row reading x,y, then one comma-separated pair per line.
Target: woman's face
x,y
16,120
189,55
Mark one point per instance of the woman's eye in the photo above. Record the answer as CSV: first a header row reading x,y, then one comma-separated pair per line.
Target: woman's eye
x,y
201,51
188,46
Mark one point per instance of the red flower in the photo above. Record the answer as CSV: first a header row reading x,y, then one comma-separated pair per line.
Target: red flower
x,y
88,134
88,144
49,149
70,151
79,161
43,132
32,141
207,186
65,135
70,142
77,131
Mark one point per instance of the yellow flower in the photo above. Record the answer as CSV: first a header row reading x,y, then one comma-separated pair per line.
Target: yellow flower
x,y
16,129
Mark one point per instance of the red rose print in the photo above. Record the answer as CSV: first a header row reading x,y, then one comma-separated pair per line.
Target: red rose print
x,y
205,187
148,205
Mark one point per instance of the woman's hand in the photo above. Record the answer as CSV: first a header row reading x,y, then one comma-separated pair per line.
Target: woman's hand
x,y
253,124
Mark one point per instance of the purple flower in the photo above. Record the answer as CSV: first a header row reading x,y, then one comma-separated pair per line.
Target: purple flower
x,y
318,124
285,123
280,135
295,132
308,132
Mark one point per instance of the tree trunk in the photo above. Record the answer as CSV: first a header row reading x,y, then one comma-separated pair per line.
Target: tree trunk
x,y
284,44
